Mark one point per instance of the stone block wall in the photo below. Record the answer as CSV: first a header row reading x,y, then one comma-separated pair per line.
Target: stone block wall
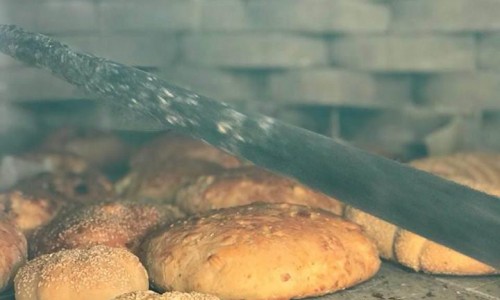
x,y
393,76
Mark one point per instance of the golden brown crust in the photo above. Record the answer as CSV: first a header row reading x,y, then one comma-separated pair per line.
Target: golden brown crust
x,y
34,202
478,167
475,171
261,251
29,212
171,147
150,295
162,182
380,231
421,254
115,224
94,273
13,250
246,185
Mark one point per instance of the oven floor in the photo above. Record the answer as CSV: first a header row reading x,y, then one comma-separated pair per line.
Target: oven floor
x,y
396,283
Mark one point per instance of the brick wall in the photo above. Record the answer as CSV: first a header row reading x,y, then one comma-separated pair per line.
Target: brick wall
x,y
388,75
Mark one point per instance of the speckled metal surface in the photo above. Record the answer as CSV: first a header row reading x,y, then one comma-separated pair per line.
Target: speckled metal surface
x,y
396,283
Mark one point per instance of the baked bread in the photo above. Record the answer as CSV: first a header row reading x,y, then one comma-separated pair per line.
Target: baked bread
x,y
478,167
34,202
161,182
115,224
416,252
101,149
58,162
246,185
171,147
150,295
13,251
260,251
29,212
97,273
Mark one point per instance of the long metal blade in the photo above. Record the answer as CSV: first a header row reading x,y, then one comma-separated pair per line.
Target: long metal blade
x,y
451,214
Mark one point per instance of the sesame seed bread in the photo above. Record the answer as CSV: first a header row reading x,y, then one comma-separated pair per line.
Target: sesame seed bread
x,y
97,273
260,251
150,295
115,224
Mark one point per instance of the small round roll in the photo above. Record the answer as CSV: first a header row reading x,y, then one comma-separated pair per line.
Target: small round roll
x,y
260,251
13,250
150,295
97,273
115,224
246,185
172,147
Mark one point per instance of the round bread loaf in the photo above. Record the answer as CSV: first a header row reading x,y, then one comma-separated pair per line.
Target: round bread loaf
x,y
115,224
58,162
162,182
150,295
172,147
260,251
101,149
416,252
95,273
246,185
85,187
13,251
29,212
34,202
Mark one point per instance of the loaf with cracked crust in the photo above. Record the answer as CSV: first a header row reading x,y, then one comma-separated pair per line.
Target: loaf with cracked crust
x,y
260,251
246,185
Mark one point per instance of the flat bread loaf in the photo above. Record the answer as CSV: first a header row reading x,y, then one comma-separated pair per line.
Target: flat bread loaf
x,y
260,251
247,185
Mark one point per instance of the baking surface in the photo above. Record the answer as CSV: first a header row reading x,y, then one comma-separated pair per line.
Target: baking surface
x,y
395,283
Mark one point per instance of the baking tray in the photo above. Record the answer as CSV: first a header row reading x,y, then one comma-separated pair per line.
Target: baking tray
x,y
393,282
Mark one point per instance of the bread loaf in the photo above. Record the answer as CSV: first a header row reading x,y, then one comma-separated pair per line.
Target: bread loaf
x,y
260,251
477,171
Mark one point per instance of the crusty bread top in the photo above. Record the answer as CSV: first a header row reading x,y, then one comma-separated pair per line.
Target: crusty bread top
x,y
478,167
150,295
161,182
29,211
246,185
98,272
13,249
171,147
260,251
116,224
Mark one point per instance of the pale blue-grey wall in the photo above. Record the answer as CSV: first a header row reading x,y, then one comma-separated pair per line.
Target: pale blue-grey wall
x,y
385,75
